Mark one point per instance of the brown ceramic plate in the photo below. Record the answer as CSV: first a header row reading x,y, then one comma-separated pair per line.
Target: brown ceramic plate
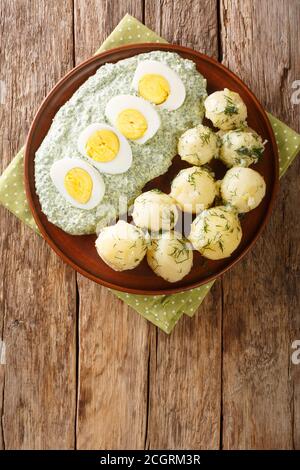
x,y
79,251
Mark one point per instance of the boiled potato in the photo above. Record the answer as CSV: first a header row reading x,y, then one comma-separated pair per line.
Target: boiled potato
x,y
225,109
122,246
194,189
241,147
170,256
243,188
216,232
198,145
155,210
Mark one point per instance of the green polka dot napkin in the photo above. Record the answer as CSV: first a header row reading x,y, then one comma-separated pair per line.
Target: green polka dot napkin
x,y
162,310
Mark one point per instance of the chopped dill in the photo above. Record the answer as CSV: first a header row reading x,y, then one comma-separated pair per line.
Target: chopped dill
x,y
132,246
227,226
156,190
180,254
207,246
216,214
233,193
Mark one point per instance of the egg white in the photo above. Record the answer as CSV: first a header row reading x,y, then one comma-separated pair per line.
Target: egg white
x,y
123,160
58,172
177,89
119,103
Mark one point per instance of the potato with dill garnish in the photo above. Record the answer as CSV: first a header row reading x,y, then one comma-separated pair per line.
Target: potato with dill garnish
x,y
225,109
155,211
216,232
243,188
241,147
170,256
198,145
122,246
194,189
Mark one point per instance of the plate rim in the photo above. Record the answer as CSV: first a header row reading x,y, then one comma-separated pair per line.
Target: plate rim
x,y
104,54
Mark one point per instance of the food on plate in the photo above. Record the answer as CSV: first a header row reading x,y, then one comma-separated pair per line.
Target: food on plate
x,y
170,256
149,160
243,188
106,148
198,145
121,246
77,182
160,84
241,147
134,117
225,109
216,232
194,189
155,210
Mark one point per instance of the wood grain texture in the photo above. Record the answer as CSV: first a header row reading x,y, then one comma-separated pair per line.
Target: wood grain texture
x,y
37,304
184,400
113,339
262,295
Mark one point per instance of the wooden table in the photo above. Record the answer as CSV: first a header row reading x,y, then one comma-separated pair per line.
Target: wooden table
x,y
82,369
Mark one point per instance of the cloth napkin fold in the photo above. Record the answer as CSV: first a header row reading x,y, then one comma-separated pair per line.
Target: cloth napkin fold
x,y
162,310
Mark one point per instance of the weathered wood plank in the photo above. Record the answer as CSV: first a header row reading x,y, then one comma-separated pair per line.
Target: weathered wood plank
x,y
114,344
94,20
38,303
261,295
185,368
185,381
175,402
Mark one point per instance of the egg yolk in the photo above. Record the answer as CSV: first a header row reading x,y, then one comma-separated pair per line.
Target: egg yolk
x,y
154,88
131,123
103,145
78,184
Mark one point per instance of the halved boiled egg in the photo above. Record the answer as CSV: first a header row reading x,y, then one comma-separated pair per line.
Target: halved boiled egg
x,y
78,182
106,148
158,83
134,117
